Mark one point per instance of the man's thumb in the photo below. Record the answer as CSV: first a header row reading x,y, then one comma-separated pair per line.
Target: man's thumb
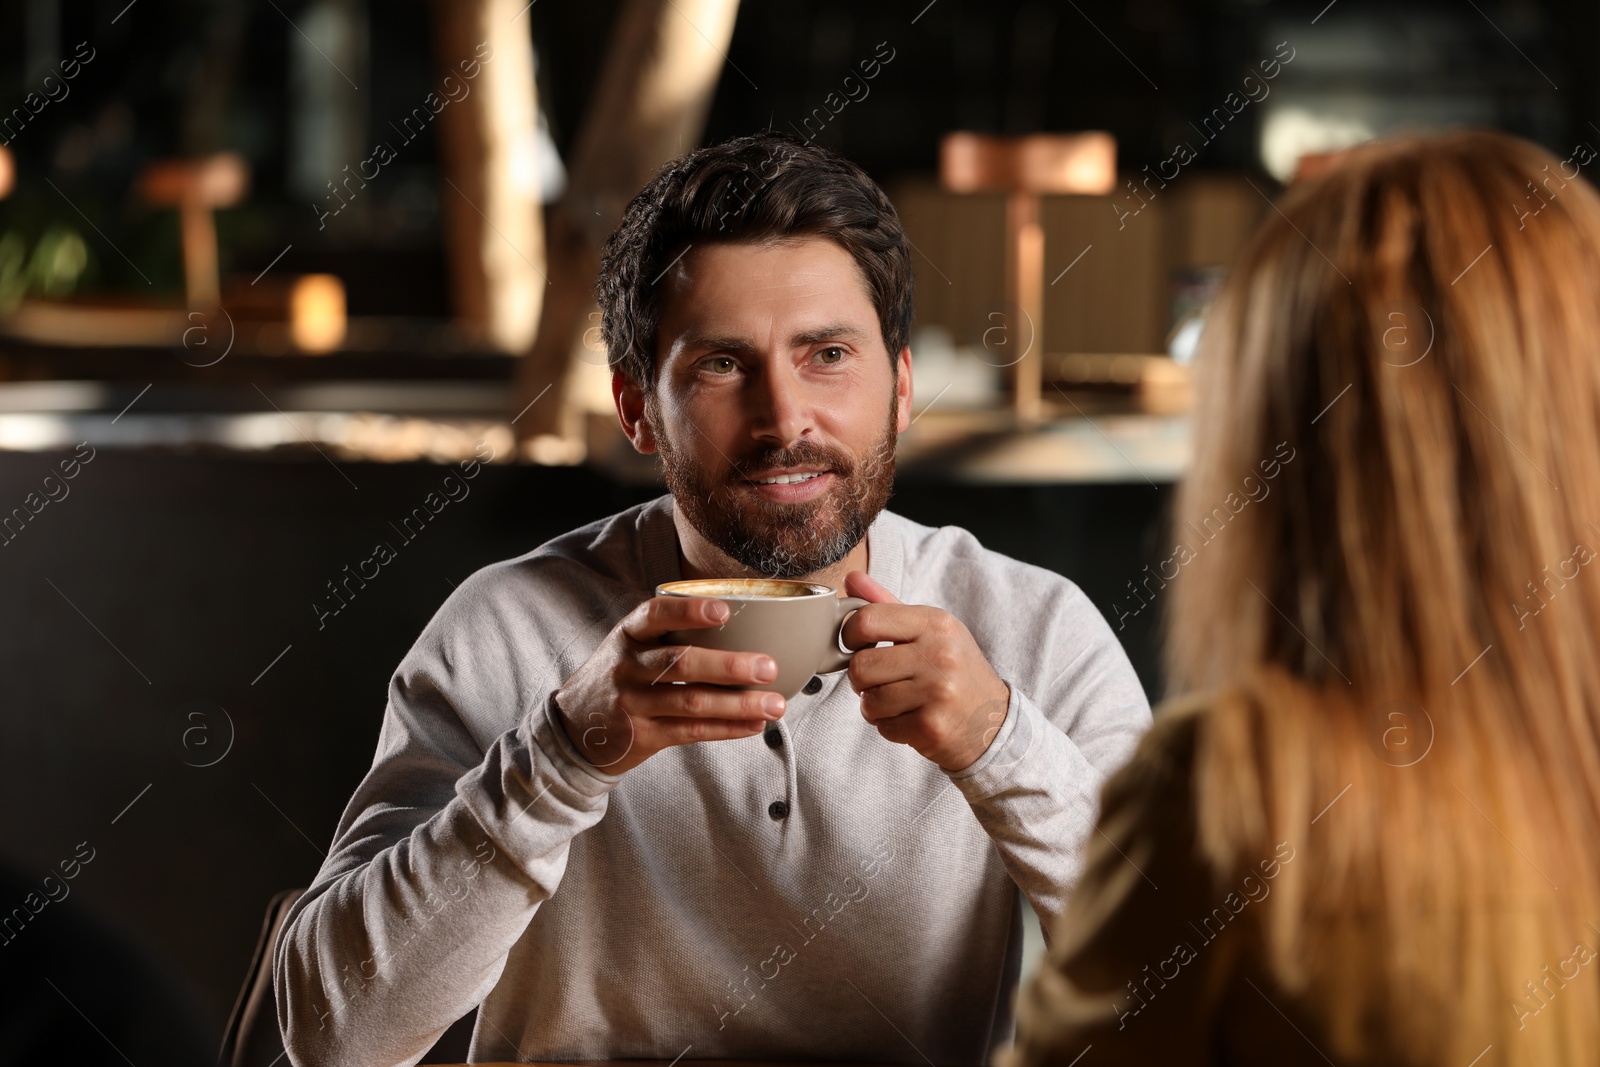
x,y
863,585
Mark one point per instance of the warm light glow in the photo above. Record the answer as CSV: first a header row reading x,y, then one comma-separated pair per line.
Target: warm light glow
x,y
317,313
1287,133
1084,163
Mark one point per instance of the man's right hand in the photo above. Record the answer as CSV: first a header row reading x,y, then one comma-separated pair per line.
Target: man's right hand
x,y
620,708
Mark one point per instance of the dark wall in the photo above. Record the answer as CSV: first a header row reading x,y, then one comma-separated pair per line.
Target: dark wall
x,y
143,608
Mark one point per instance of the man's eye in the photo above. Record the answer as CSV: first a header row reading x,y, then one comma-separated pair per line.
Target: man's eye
x,y
832,354
719,364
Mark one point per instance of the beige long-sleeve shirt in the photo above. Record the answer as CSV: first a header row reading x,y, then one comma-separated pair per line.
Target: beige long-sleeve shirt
x,y
812,893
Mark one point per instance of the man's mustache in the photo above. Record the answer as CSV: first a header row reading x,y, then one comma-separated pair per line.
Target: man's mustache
x,y
794,457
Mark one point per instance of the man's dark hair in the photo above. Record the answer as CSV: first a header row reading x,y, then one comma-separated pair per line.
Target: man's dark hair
x,y
765,187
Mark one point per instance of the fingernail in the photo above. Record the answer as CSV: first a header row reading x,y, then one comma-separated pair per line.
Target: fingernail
x,y
772,704
718,611
766,670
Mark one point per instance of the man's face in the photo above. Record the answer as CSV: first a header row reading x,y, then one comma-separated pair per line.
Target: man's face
x,y
771,365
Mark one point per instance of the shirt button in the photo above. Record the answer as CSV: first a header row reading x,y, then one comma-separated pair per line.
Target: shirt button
x,y
774,737
778,809
813,687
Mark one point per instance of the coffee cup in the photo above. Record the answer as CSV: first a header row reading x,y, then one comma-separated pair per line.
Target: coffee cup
x,y
799,624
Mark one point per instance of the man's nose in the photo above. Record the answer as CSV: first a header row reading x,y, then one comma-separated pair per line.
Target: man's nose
x,y
782,407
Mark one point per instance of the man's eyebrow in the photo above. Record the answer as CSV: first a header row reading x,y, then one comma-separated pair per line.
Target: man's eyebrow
x,y
838,331
719,344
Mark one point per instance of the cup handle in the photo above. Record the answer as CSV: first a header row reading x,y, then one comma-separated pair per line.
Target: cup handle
x,y
837,657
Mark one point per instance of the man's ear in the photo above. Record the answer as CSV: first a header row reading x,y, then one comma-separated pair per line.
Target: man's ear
x,y
902,388
629,398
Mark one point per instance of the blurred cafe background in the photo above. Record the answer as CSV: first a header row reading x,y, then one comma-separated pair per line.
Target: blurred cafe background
x,y
271,269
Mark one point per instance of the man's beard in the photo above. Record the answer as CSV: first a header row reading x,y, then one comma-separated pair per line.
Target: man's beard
x,y
780,540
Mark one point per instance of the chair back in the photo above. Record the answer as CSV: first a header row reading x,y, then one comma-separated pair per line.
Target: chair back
x,y
252,1038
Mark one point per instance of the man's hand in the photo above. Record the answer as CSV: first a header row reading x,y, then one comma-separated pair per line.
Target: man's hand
x,y
620,708
933,690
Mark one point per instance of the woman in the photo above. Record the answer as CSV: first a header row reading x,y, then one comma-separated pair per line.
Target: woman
x,y
1369,836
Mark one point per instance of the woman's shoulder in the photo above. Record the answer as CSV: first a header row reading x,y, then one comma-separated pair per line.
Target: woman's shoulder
x,y
1162,763
1180,717
1111,978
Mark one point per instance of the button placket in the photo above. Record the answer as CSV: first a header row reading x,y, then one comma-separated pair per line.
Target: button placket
x,y
779,810
773,736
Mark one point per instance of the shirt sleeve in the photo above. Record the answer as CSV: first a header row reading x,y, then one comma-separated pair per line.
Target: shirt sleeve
x,y
439,863
1034,794
1135,965
1036,788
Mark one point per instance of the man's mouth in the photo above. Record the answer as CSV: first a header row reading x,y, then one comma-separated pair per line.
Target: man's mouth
x,y
792,478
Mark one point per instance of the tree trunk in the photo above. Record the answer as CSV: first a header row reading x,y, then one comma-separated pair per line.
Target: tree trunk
x,y
650,106
489,195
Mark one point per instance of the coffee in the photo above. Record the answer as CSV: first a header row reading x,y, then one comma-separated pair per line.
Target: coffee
x,y
739,588
798,624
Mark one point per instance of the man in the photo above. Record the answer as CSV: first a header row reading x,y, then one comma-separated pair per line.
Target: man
x,y
607,846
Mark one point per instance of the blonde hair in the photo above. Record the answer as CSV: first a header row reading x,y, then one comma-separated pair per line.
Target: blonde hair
x,y
1403,634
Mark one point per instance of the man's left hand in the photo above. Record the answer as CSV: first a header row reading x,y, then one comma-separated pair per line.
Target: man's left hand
x,y
932,689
